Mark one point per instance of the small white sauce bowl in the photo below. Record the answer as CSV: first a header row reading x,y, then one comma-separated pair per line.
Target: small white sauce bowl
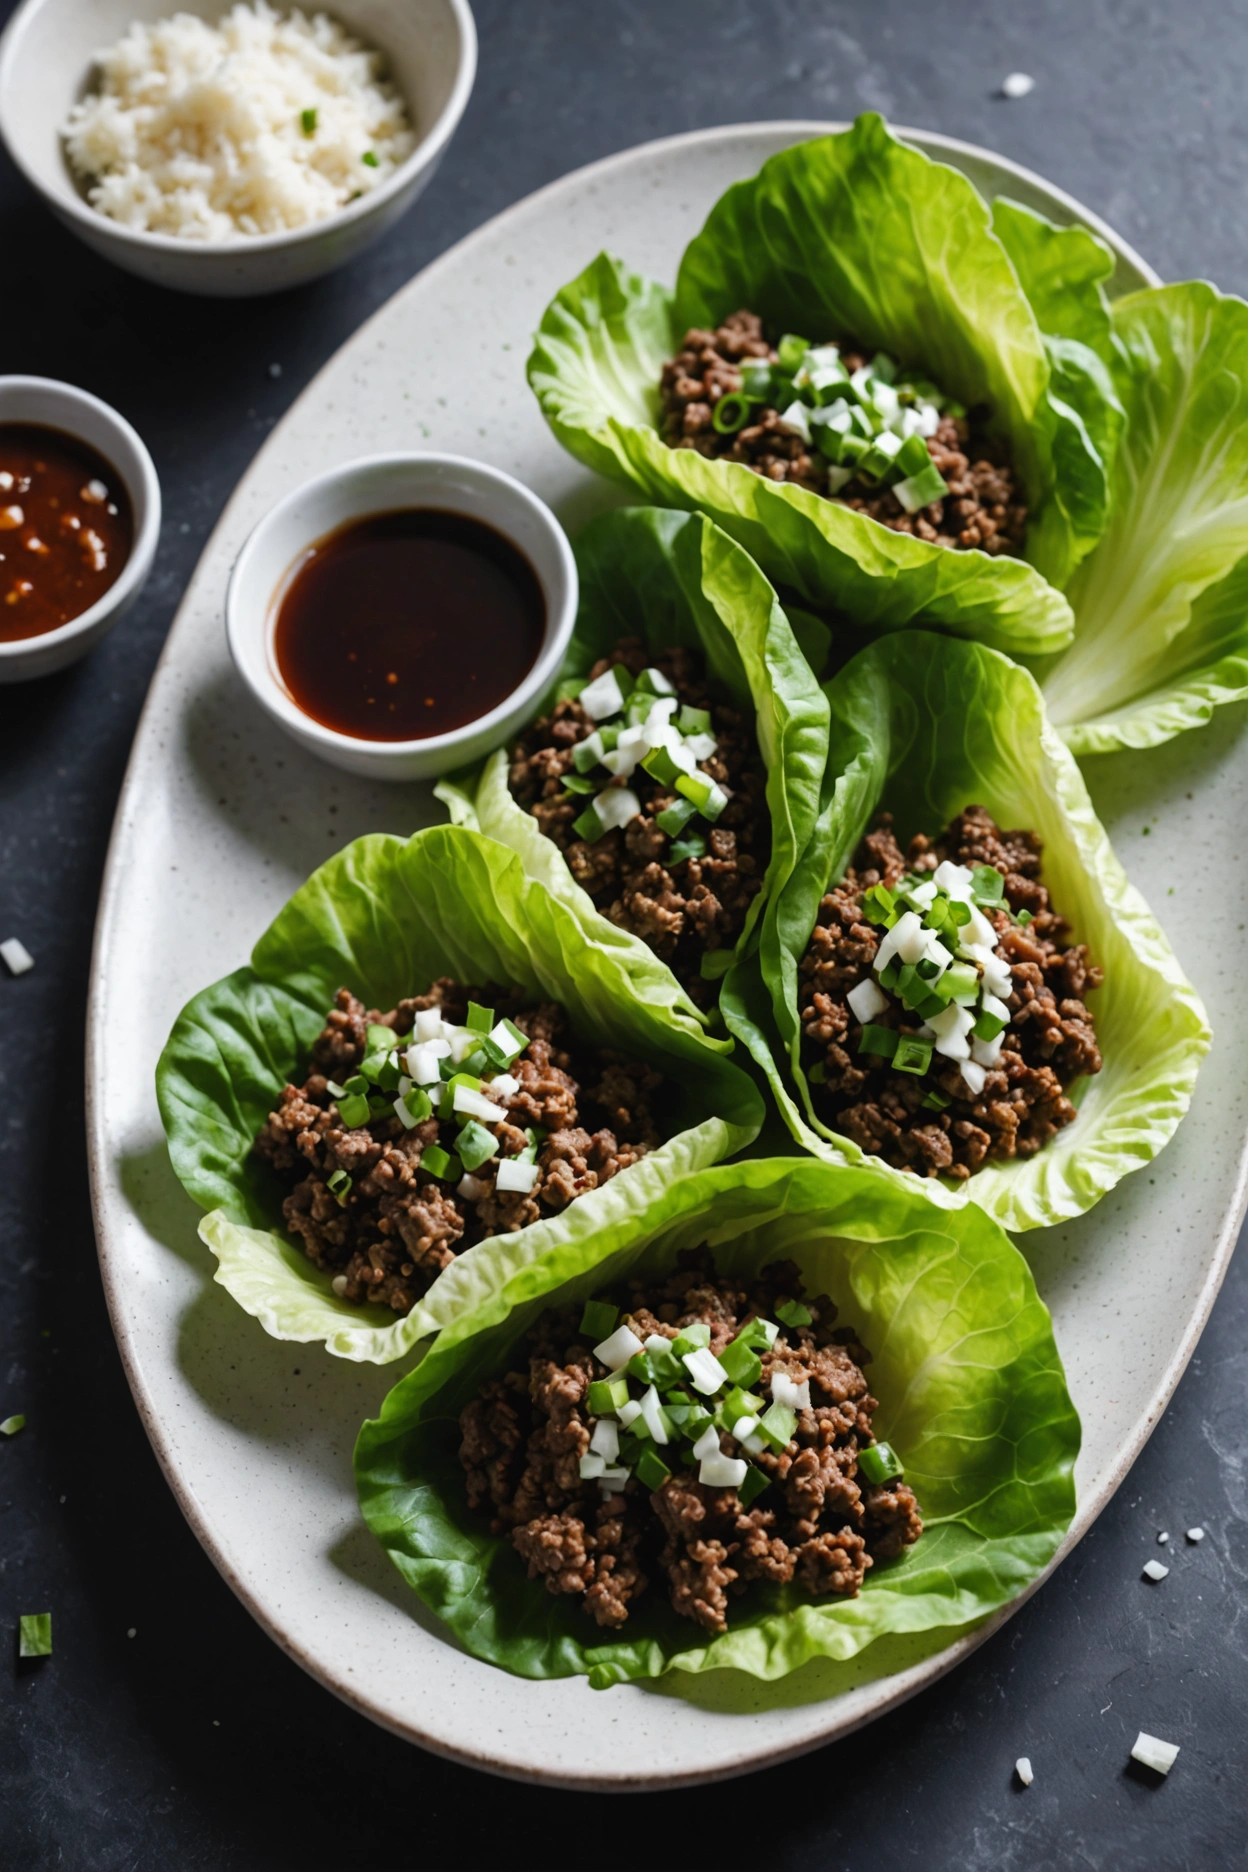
x,y
46,65
81,416
383,484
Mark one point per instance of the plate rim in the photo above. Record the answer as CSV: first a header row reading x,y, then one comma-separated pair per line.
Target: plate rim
x,y
889,1692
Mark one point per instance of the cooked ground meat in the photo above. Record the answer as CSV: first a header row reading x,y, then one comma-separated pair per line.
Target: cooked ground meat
x,y
816,1522
1050,1040
983,507
399,1226
683,910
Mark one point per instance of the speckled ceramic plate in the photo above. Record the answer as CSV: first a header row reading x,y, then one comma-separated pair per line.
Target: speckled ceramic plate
x,y
221,818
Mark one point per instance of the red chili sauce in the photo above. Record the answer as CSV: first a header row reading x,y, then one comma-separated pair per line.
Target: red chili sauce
x,y
66,529
405,625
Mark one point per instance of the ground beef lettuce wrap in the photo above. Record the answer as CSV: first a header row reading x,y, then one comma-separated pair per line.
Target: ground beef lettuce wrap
x,y
966,1386
254,1058
923,728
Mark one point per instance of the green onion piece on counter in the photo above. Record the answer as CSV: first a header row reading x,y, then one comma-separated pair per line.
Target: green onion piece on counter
x,y
589,826
339,1185
12,1425
1023,918
913,1055
418,1103
439,1163
607,1396
878,904
598,1320
480,1019
778,1424
936,1100
741,1362
878,1462
692,1338
353,1111
793,1313
476,1145
652,1471
694,720
694,846
987,885
790,352
988,1026
307,120
674,818
369,157
35,1638
659,764
752,1487
878,1040
731,413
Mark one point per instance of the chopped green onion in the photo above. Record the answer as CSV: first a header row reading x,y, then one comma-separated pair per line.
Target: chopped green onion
x,y
307,119
357,1084
709,798
878,904
878,1462
913,1055
691,1338
888,976
791,352
335,1091
879,1040
695,720
441,1164
694,846
757,1332
480,1019
476,1145
731,413
1024,918
652,1471
607,1395
988,1026
756,379
959,911
741,1362
664,1364
35,1635
883,367
370,158
658,763
793,1313
778,1424
987,885
674,818
353,1111
12,1425
580,783
638,1367
921,490
588,753
598,1320
589,826
379,1107
752,1487
419,1104
339,1186
936,1100
960,982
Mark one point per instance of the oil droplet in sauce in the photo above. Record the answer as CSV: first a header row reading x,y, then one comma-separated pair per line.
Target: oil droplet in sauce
x,y
66,529
405,625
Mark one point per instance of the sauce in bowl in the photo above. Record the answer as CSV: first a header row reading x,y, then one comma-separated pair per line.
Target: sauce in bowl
x,y
400,626
66,529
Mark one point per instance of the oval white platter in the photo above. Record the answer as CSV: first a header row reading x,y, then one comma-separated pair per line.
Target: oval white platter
x,y
220,819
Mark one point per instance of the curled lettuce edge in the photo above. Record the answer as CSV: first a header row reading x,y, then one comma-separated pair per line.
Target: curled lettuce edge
x,y
1151,1023
972,1395
385,916
1161,604
603,340
676,578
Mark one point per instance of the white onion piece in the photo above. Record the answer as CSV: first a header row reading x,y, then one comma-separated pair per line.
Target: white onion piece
x,y
1022,1769
622,762
1154,1571
987,1052
929,419
707,1444
464,1042
476,1105
797,417
838,477
903,930
612,1481
630,1412
911,937
616,1351
979,930
700,746
606,1439
422,1061
704,1369
755,1444
786,1390
504,1085
602,697
1195,1534
744,1427
973,1076
617,806
924,894
1154,1753
991,1005
515,1177
955,880
721,1471
505,1040
659,719
591,1465
866,1000
997,978
652,1415
428,1024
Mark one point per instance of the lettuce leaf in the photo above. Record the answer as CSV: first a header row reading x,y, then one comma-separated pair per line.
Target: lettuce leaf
x,y
924,726
676,580
860,234
385,917
972,1397
1161,605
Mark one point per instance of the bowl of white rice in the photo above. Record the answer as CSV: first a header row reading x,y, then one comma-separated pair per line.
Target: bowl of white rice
x,y
232,147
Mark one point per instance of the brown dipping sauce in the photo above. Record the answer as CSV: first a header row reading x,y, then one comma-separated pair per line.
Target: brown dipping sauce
x,y
408,624
66,529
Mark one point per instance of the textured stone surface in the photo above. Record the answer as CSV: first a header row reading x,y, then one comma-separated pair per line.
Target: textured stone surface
x,y
196,1744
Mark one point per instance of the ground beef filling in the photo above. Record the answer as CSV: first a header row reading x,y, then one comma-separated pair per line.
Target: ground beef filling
x,y
684,910
816,1524
399,1227
984,507
1049,1043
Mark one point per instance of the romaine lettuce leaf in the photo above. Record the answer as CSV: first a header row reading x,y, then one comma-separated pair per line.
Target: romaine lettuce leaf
x,y
924,726
1161,604
385,917
676,580
972,1397
851,234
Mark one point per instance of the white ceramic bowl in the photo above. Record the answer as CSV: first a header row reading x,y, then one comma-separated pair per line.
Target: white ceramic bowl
x,y
382,484
61,406
46,57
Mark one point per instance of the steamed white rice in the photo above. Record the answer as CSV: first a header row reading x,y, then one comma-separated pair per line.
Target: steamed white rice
x,y
203,131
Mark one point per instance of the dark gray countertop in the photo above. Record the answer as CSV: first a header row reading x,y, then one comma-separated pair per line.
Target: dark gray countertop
x,y
195,1743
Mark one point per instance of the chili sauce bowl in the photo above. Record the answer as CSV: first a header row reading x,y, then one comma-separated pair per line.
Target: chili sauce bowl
x,y
379,485
84,418
47,55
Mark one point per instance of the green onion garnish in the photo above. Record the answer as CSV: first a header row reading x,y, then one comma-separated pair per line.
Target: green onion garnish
x,y
692,1338
912,1055
339,1184
599,1319
12,1425
752,1487
878,1040
793,1313
353,1111
357,1084
878,1462
369,158
878,904
731,413
480,1019
693,846
790,353
607,1396
987,885
35,1635
652,1471
1024,918
589,826
740,1403
335,1091
418,1103
741,1362
308,120
674,818
476,1145
658,763
439,1163
695,720
988,1026
778,1424
936,1100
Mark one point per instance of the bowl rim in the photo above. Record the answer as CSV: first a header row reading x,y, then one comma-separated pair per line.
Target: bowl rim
x,y
242,623
146,537
74,208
